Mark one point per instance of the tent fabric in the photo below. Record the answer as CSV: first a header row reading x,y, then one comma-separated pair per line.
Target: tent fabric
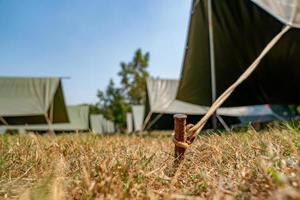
x,y
104,125
138,113
281,113
96,125
129,122
78,117
241,31
162,94
111,127
108,126
287,11
29,100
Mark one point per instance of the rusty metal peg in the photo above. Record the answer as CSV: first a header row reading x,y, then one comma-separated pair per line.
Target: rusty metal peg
x,y
180,123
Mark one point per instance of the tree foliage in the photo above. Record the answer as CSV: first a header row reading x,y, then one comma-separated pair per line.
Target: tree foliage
x,y
133,77
115,102
113,105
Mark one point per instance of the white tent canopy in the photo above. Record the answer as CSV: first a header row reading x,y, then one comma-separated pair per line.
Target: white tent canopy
x,y
287,11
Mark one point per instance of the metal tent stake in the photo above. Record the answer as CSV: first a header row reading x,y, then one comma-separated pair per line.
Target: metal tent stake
x,y
180,122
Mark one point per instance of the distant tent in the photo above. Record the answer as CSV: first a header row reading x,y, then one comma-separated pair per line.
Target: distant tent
x,y
79,119
279,113
138,112
161,105
242,29
96,123
104,125
79,122
108,126
31,101
111,127
129,122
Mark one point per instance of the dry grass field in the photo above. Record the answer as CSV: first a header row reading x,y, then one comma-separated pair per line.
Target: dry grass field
x,y
245,165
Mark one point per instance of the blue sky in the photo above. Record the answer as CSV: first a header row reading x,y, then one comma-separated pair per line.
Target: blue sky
x,y
86,40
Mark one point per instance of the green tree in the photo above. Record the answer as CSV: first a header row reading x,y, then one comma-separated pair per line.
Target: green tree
x,y
113,104
133,77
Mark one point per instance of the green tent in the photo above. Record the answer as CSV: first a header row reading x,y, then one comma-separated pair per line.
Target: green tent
x,y
241,30
31,101
79,121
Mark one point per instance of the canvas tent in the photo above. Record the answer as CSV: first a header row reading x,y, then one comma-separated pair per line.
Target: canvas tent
x,y
138,113
107,126
241,30
279,113
78,117
96,123
129,122
31,101
111,127
161,104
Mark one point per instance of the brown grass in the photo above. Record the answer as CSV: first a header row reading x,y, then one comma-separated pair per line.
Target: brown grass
x,y
246,165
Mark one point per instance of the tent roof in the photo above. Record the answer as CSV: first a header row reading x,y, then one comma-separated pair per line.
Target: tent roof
x,y
242,29
162,94
28,100
287,11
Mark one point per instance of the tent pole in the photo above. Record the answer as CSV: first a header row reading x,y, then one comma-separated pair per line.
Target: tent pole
x,y
155,120
212,60
49,120
49,124
51,112
223,123
146,121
